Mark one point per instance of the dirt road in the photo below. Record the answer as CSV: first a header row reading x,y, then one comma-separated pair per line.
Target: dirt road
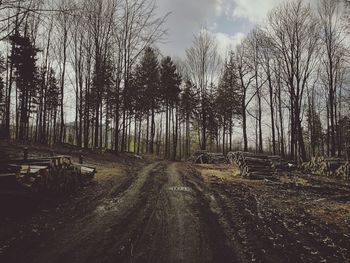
x,y
175,212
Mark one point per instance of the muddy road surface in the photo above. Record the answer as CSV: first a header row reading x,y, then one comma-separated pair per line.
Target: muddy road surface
x,y
173,212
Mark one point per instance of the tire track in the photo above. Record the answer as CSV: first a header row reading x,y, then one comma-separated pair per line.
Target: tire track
x,y
96,235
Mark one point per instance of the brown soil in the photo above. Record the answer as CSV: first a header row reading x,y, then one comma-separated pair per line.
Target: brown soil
x,y
158,211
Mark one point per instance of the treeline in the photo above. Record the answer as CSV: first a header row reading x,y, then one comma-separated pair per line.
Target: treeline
x,y
296,68
127,96
283,90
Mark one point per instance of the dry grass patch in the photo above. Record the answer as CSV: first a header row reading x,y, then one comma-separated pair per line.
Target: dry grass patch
x,y
110,171
225,172
331,213
298,181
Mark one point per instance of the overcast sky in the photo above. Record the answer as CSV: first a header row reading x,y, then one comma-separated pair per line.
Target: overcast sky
x,y
229,20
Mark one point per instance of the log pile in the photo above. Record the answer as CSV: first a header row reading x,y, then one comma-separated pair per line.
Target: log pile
x,y
204,157
252,166
343,171
54,174
281,165
329,167
197,156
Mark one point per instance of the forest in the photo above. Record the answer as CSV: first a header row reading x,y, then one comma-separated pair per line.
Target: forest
x,y
90,74
114,149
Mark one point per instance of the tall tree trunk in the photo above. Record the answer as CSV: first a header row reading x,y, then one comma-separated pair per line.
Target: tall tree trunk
x,y
328,132
244,124
135,133
281,120
175,133
101,127
339,130
122,146
187,143
292,128
86,118
223,137
180,141
260,124
160,136
8,97
61,139
230,136
117,117
332,122
153,128
139,136
97,123
204,126
129,134
147,134
76,120
272,116
166,131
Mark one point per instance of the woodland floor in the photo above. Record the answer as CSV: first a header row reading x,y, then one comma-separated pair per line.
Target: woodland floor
x,y
158,211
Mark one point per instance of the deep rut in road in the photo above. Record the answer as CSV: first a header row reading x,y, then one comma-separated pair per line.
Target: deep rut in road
x,y
176,212
181,228
258,230
154,216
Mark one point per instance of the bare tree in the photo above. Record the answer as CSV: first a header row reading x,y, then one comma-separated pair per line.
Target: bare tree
x,y
295,35
203,62
256,47
136,27
266,57
246,75
63,27
332,39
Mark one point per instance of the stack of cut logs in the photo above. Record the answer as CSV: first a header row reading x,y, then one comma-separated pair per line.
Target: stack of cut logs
x,y
331,167
280,165
54,174
205,157
343,171
252,166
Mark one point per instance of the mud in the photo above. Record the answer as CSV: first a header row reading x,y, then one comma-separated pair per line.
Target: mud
x,y
161,211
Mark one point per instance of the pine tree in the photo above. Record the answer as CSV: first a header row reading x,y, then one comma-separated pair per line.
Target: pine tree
x,y
52,105
228,100
137,94
212,118
24,61
149,80
188,104
170,82
2,96
315,131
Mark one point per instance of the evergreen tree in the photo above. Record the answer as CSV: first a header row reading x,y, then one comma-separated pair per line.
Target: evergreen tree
x,y
188,103
228,100
212,118
149,81
108,97
315,131
170,82
52,104
2,95
24,61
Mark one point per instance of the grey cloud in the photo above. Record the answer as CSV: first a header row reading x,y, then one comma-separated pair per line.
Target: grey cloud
x,y
226,18
186,19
